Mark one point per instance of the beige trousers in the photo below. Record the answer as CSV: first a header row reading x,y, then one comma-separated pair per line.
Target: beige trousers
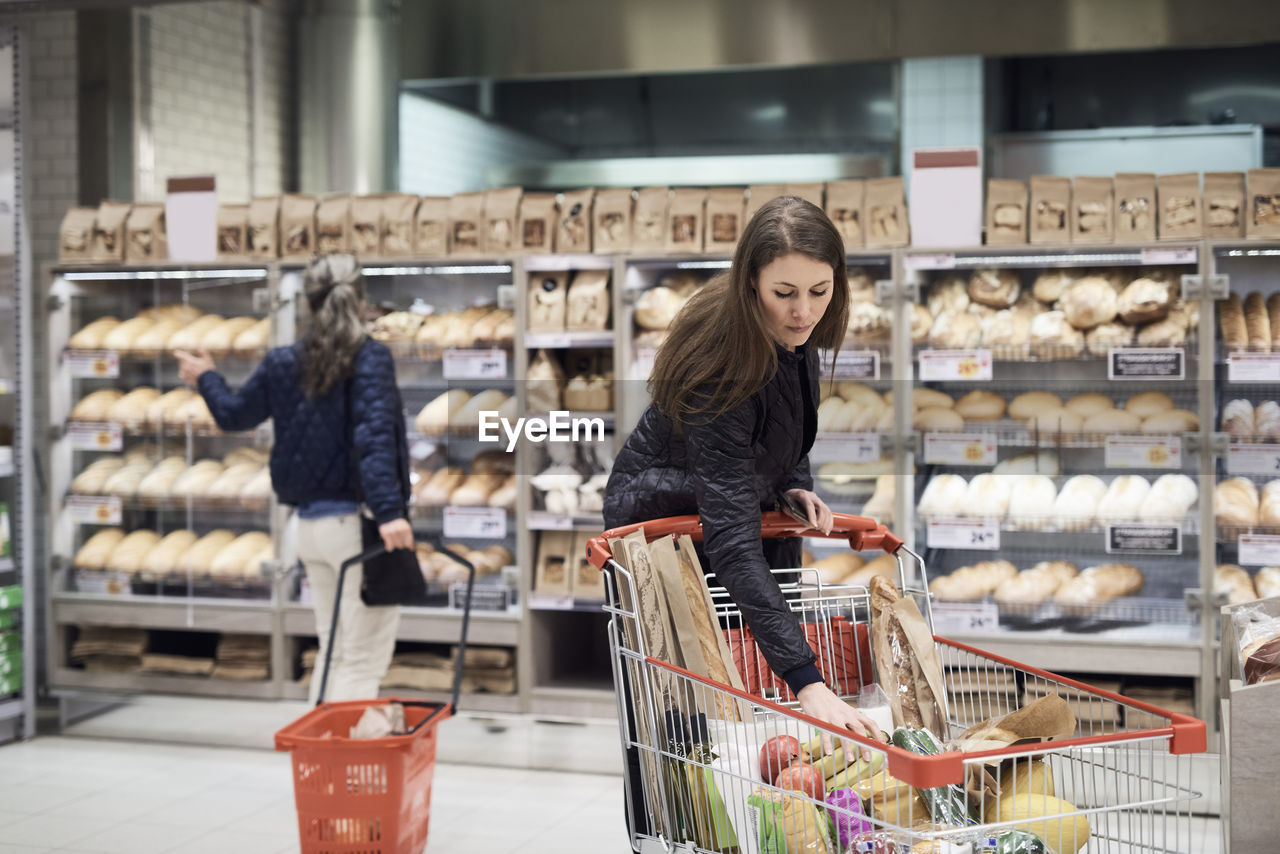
x,y
366,637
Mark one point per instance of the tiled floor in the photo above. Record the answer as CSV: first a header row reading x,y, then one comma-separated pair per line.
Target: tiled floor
x,y
114,797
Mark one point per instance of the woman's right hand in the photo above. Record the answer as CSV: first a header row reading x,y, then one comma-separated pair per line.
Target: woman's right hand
x,y
192,366
396,534
819,701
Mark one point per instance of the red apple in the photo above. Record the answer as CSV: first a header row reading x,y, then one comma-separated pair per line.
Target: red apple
x,y
778,753
802,777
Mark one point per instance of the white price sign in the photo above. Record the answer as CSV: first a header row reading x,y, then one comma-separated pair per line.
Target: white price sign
x,y
853,365
87,436
1143,452
964,617
475,364
969,534
847,447
479,523
960,449
1253,367
930,260
548,340
1253,459
93,364
1258,550
955,365
94,509
1154,255
541,521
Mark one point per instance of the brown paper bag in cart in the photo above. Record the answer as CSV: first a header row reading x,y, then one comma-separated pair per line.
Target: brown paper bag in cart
x,y
907,665
1047,718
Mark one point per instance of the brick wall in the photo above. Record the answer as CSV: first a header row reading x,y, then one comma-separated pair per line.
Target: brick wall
x,y
49,132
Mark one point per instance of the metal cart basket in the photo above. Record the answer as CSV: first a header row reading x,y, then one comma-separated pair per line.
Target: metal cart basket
x,y
1120,783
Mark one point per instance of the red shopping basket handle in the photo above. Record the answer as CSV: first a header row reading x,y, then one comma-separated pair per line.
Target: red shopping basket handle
x,y
862,532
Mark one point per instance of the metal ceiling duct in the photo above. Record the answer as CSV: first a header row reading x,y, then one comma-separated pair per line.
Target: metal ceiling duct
x,y
347,83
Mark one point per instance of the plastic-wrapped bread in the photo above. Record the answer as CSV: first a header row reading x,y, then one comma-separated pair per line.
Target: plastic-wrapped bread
x,y
232,481
434,417
1266,418
437,489
1112,421
130,411
1089,302
154,339
1089,403
1257,323
220,338
231,560
95,405
1050,285
466,418
980,405
258,489
1101,338
92,335
130,552
955,330
1098,585
944,496
1269,506
937,418
505,495
1031,403
94,477
1031,502
1170,498
164,556
193,482
95,551
1056,422
1231,322
988,495
1148,403
1233,582
1267,582
475,490
880,505
122,336
1172,421
1052,336
158,482
197,559
189,337
1144,300
1077,503
1238,418
1235,503
1124,498
254,338
1041,462
995,288
950,293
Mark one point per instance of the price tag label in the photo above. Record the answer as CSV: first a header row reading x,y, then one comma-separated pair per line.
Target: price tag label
x,y
1258,550
963,617
93,364
484,597
547,602
1143,452
1253,367
87,436
955,365
1170,255
1146,363
960,449
1253,459
548,340
475,364
969,534
847,447
94,509
1144,539
539,521
104,582
930,260
853,365
477,523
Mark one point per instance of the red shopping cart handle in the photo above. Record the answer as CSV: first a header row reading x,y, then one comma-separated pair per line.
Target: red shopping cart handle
x,y
862,532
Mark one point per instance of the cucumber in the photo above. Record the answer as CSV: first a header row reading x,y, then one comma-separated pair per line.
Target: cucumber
x,y
947,804
1020,842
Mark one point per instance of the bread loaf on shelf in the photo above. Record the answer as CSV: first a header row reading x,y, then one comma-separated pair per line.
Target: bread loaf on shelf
x,y
95,405
955,330
154,339
1052,336
232,481
880,505
1266,418
237,558
434,417
197,559
91,336
1267,582
466,418
1008,332
95,551
1098,585
1031,403
1170,499
128,554
1056,422
950,293
130,411
254,338
505,495
944,496
1269,506
1148,403
970,583
1236,503
833,569
1041,462
159,481
1089,403
122,336
1031,502
164,556
1077,503
1051,284
1231,322
1112,421
937,418
1100,339
1257,323
1124,498
1035,585
220,338
1238,418
1172,421
1233,582
1144,300
195,481
1170,332
1088,302
980,405
475,490
988,496
94,477
921,323
1273,318
994,288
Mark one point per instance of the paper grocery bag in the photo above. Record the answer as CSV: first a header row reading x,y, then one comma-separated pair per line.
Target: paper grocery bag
x,y
724,219
1006,212
1178,197
844,207
907,665
537,223
1263,204
611,221
431,227
1092,208
333,224
1224,204
1050,209
649,224
1135,214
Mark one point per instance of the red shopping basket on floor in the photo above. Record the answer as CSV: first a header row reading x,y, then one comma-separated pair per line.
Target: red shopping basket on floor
x,y
373,795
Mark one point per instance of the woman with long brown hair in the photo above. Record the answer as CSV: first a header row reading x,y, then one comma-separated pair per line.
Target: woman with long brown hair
x,y
734,414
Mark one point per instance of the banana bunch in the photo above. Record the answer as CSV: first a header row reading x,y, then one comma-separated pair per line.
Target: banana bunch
x,y
836,768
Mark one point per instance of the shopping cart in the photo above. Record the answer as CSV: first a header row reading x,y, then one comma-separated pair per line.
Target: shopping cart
x,y
1120,783
367,796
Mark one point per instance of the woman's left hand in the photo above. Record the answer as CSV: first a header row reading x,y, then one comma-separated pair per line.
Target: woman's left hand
x,y
820,516
192,366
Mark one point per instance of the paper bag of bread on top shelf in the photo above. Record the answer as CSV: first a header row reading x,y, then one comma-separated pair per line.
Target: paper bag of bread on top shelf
x,y
536,223
501,216
75,237
1262,207
1224,205
1178,197
1135,210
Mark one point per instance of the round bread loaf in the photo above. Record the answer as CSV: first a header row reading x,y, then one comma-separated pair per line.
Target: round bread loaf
x,y
92,335
1148,403
955,330
1089,302
980,405
1170,332
1101,338
921,323
1124,498
994,288
1041,462
1144,300
1029,404
1172,421
1051,284
950,293
1236,502
657,307
1008,332
1053,337
1031,502
937,418
1112,421
944,496
1089,403
1077,503
868,323
988,496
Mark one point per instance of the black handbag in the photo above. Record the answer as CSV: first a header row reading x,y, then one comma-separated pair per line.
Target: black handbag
x,y
390,578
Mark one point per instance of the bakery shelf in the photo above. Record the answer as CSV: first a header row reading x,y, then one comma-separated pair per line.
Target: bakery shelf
x,y
1155,650
1014,434
542,602
424,625
164,356
557,263
163,272
133,683
1057,353
541,520
477,702
232,507
564,340
411,352
582,697
211,615
1050,256
435,267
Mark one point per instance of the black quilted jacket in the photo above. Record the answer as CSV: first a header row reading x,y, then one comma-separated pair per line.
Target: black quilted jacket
x,y
728,471
311,458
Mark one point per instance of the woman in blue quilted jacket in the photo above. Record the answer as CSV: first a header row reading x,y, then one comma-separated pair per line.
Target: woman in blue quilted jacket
x,y
336,412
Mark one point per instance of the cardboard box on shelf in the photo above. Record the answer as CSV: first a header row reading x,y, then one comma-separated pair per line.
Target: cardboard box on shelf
x,y
191,219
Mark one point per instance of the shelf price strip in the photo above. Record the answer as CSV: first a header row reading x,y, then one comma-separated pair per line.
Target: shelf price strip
x,y
1253,367
480,523
1258,550
1243,458
486,597
1143,452
968,534
89,436
848,447
853,365
960,449
1146,363
475,364
962,617
93,364
955,365
94,509
1144,539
